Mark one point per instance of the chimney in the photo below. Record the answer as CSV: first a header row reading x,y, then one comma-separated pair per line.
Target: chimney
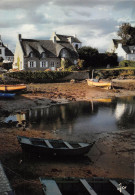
x,y
119,44
54,39
70,39
19,37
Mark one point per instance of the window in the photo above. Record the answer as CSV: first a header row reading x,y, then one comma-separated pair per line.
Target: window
x,y
31,54
32,64
43,55
0,51
75,61
52,64
42,64
76,46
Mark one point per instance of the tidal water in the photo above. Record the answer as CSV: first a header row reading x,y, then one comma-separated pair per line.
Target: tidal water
x,y
103,115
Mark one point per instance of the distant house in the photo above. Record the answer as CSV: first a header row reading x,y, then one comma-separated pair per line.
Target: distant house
x,y
124,52
32,54
5,53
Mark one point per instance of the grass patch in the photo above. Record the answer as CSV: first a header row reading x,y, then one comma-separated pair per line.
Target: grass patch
x,y
117,68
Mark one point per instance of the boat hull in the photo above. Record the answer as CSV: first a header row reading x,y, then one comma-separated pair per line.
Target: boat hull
x,y
94,186
7,95
12,88
59,148
102,84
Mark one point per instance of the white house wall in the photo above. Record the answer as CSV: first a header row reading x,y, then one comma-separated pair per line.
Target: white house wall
x,y
2,53
131,57
18,53
111,48
121,54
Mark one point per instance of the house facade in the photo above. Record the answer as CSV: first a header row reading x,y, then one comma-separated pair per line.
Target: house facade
x,y
5,53
31,54
124,52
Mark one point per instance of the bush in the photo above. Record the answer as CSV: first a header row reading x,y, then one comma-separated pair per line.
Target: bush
x,y
73,68
126,63
38,76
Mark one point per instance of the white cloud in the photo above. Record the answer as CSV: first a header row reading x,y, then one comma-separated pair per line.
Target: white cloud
x,y
94,22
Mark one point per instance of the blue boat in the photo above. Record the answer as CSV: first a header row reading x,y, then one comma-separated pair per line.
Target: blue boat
x,y
7,95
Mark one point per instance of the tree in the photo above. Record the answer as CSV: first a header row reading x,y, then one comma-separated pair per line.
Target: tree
x,y
89,55
86,52
127,34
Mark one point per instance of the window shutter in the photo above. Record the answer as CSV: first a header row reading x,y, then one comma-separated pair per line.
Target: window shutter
x,y
34,64
46,63
28,64
40,64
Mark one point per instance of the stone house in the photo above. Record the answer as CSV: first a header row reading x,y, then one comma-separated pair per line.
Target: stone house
x,y
5,53
32,54
124,52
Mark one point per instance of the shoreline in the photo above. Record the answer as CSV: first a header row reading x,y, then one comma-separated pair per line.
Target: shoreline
x,y
56,93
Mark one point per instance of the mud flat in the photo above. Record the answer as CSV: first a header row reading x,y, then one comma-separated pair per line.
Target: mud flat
x,y
112,155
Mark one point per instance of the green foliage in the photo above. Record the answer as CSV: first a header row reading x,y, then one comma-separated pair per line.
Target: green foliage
x,y
87,52
91,58
72,68
38,76
113,73
127,63
127,34
107,58
80,64
65,63
89,55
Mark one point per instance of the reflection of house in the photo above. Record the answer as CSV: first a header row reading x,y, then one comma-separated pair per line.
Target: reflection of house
x,y
31,54
20,118
124,52
119,111
5,53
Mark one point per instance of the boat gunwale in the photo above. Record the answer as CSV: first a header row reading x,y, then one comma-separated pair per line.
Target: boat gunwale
x,y
43,146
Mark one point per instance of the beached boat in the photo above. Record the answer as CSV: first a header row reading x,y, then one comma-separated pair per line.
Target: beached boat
x,y
11,88
99,83
81,186
50,147
7,95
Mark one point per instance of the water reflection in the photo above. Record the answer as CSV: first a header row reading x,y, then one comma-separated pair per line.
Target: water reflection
x,y
82,117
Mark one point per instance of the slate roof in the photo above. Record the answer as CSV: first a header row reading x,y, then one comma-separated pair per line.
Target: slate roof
x,y
128,49
32,45
8,52
116,42
50,48
64,38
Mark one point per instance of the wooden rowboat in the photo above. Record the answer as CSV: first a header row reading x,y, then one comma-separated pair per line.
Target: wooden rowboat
x,y
81,186
99,83
50,147
7,95
11,88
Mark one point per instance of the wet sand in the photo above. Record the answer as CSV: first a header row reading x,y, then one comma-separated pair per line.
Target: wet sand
x,y
112,155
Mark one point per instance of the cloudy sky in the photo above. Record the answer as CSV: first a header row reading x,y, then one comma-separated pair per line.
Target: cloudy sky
x,y
95,22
